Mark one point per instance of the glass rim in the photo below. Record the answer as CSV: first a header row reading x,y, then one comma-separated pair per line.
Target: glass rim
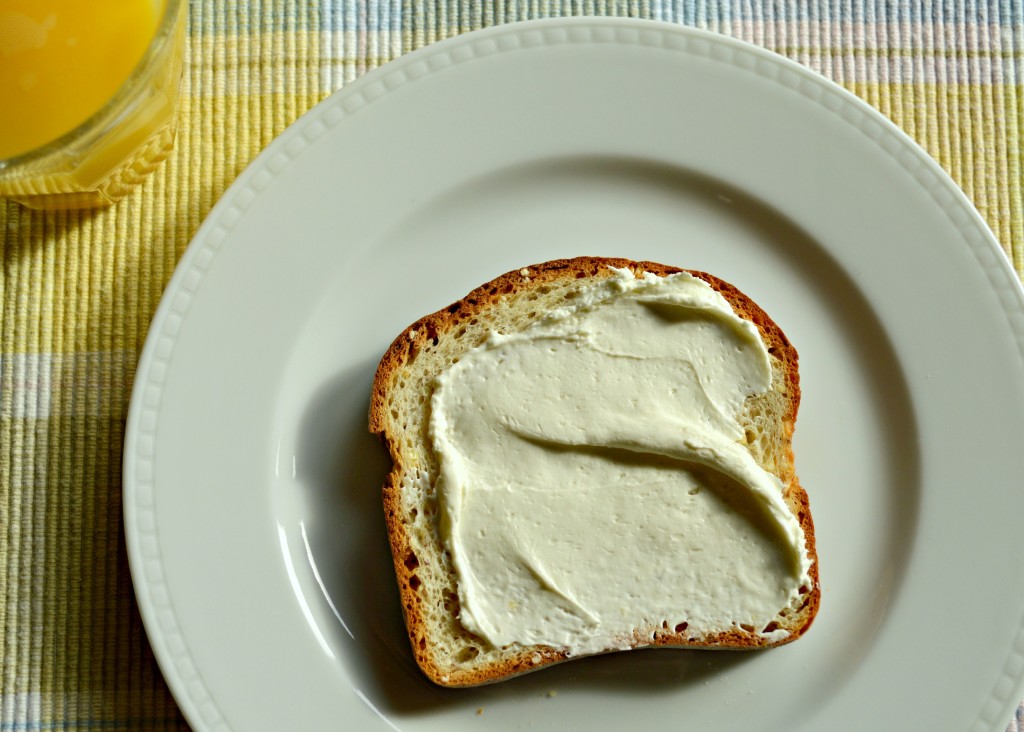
x,y
93,124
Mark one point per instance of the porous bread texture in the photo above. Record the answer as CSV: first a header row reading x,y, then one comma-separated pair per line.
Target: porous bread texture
x,y
449,654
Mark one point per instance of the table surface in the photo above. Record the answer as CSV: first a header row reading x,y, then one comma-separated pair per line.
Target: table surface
x,y
78,289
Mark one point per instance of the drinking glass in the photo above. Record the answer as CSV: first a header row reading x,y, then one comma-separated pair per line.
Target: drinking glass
x,y
98,160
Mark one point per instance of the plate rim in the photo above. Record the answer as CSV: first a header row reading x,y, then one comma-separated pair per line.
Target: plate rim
x,y
155,602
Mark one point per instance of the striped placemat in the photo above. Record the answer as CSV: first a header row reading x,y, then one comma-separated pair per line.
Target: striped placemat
x,y
78,289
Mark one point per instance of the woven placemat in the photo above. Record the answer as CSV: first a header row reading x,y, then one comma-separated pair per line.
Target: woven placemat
x,y
78,289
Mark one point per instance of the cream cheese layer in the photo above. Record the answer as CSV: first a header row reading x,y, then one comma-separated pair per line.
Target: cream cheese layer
x,y
593,478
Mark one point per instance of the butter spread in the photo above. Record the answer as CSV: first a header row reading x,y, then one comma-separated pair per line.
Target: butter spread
x,y
593,480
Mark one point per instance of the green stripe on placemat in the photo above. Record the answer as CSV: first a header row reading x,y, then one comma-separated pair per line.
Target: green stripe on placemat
x,y
78,289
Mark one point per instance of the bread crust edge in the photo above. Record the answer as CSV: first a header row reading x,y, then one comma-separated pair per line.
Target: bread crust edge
x,y
434,326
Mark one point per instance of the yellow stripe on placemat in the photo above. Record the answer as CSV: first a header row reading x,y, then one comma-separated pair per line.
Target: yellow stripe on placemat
x,y
973,131
79,290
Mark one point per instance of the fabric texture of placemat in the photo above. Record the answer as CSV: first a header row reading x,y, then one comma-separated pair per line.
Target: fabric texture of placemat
x,y
78,289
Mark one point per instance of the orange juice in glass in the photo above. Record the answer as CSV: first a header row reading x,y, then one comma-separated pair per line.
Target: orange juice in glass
x,y
87,96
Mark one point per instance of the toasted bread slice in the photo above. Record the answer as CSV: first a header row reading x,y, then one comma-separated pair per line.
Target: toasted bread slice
x,y
446,651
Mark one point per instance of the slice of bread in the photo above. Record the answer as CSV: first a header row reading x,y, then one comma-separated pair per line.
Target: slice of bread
x,y
400,407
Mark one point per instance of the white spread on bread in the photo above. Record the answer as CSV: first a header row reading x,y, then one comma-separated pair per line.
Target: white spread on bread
x,y
593,478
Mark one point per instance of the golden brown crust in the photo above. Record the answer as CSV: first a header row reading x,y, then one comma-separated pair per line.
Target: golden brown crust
x,y
426,333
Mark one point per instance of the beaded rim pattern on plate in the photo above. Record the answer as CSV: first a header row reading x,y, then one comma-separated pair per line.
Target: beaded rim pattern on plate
x,y
139,463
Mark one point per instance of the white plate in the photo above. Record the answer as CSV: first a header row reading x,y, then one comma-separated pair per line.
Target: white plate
x,y
252,488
